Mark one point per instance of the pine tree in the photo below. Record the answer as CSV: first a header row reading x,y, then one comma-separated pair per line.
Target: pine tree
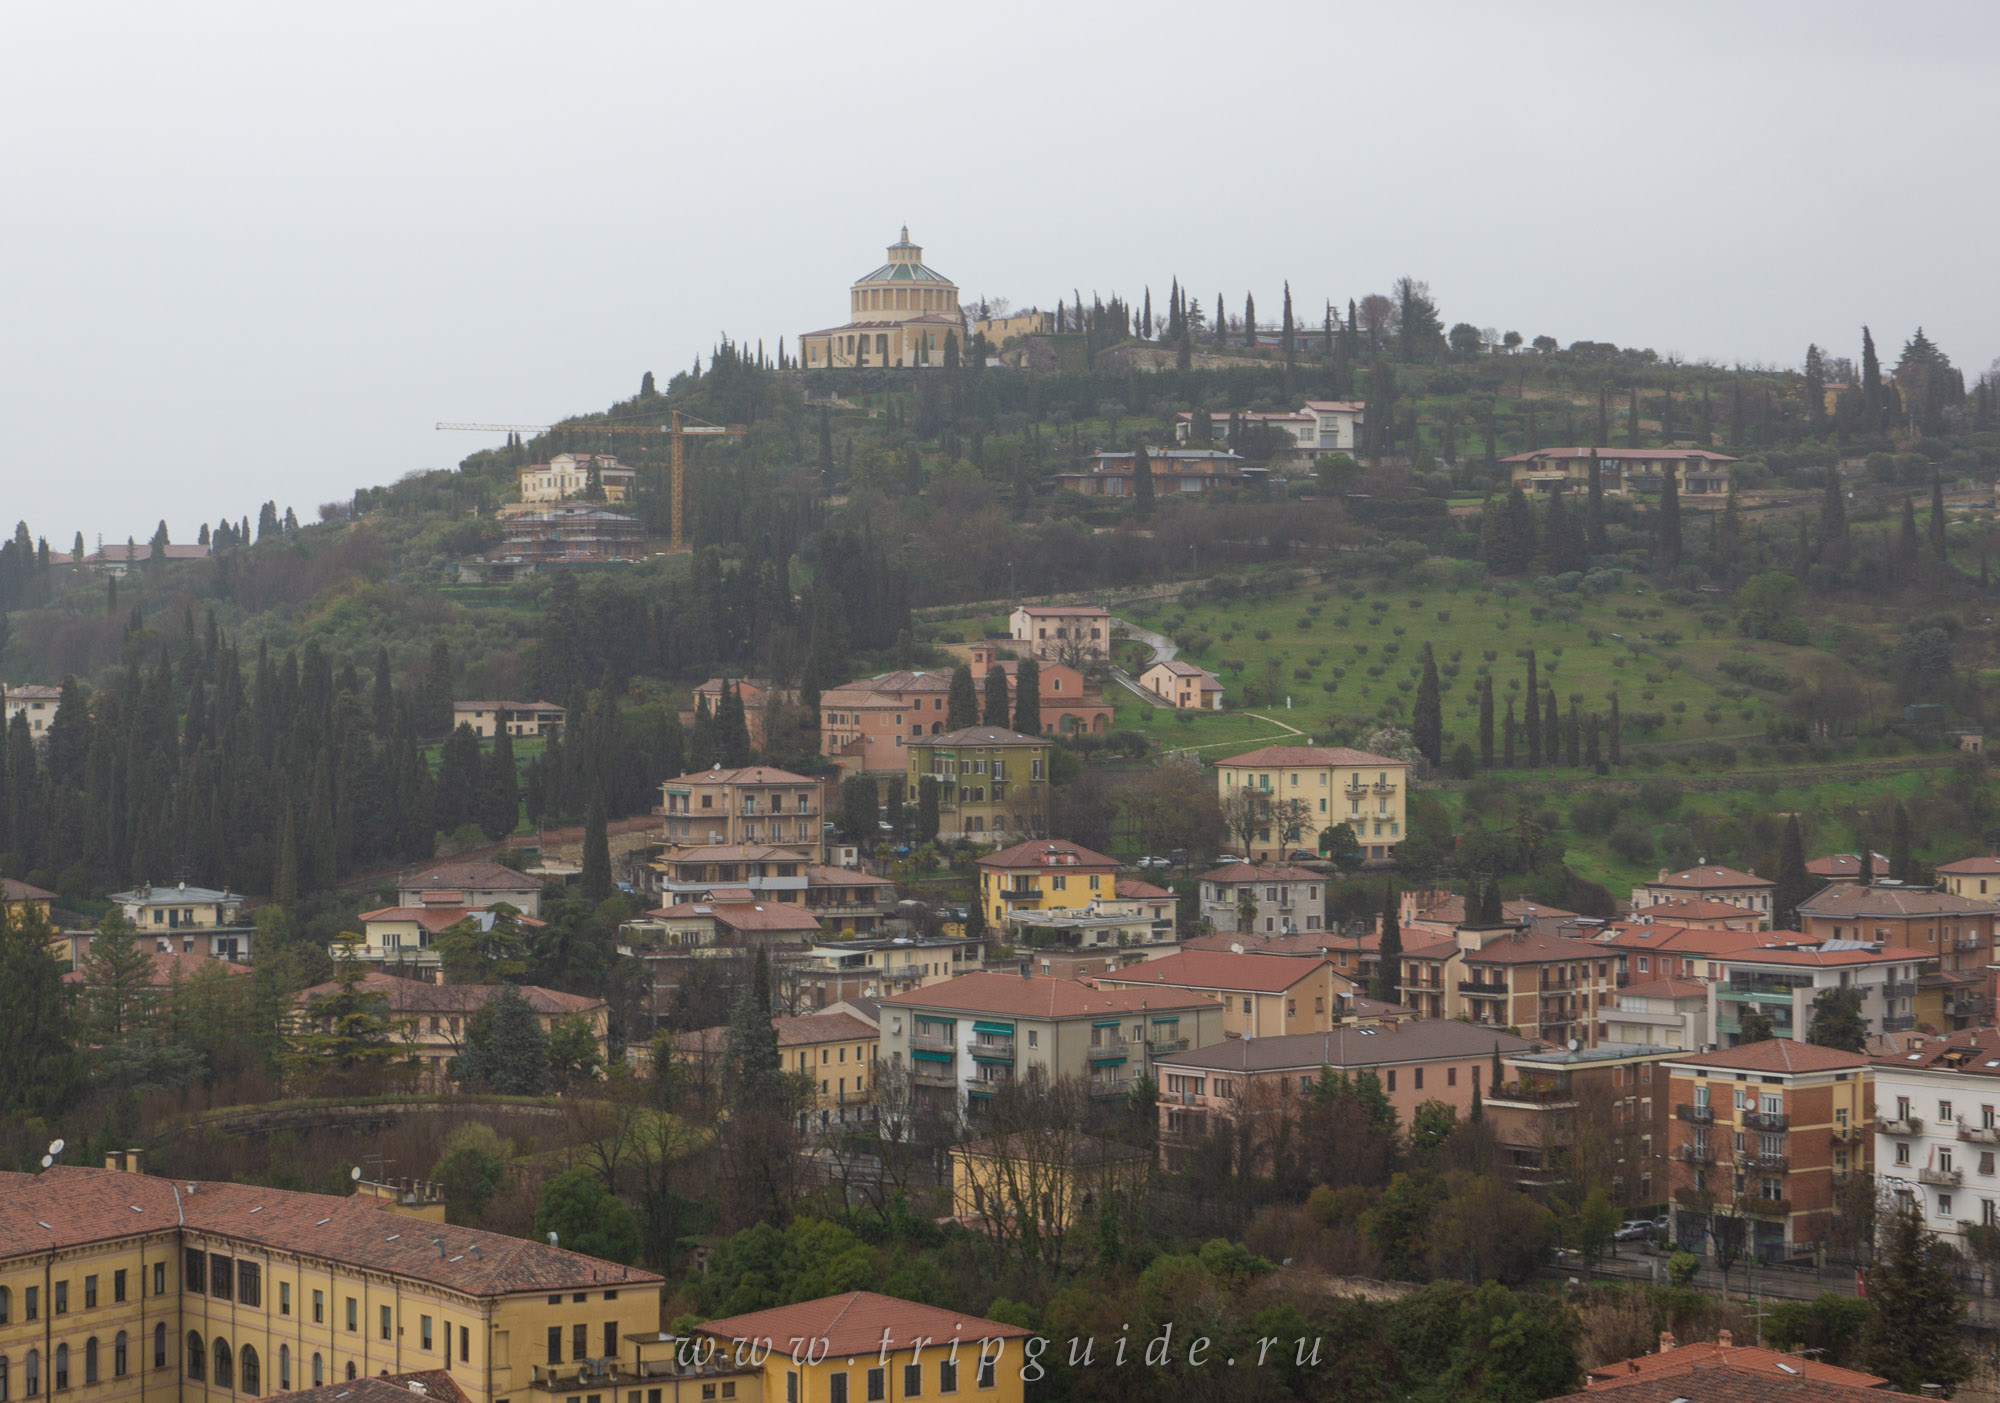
x,y
1389,963
962,703
1874,404
1427,719
753,1071
1911,1335
1532,717
498,808
506,1051
345,1034
1937,516
1028,697
1486,723
1793,883
993,708
594,883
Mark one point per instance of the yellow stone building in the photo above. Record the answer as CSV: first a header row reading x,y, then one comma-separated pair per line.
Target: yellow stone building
x,y
1043,874
993,784
1336,785
900,314
121,1285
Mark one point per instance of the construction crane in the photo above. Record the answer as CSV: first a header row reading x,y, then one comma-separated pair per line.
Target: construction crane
x,y
675,430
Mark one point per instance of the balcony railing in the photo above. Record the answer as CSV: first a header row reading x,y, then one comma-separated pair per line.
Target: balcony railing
x,y
1899,1125
1110,1048
1944,1178
1160,1047
1754,989
933,1074
1765,1207
1848,1134
1893,990
931,1042
1696,1154
1899,1023
1766,1120
1981,1134
1110,1086
1701,1115
1533,1095
1482,989
1764,1164
1000,1050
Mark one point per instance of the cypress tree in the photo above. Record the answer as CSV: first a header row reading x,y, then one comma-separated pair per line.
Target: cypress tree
x,y
1534,705
1902,866
595,881
1865,875
1507,736
1249,320
732,727
1614,740
1593,741
1573,734
1028,697
1832,522
435,696
1427,720
993,710
1389,963
499,805
1551,727
1496,1076
1142,479
1937,516
962,703
1667,542
1911,1335
1593,510
1906,538
1603,417
1486,723
1793,883
1632,420
1874,404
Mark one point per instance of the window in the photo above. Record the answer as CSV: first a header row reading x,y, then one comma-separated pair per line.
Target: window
x,y
1451,1076
1902,1153
197,1356
1986,1161
791,1386
6,1304
1392,1079
90,1360
986,1366
579,1341
913,1381
319,1371
284,1366
1944,1205
61,1370
878,1380
610,1339
3,1378
160,1346
252,1371
225,1367
120,1354
1246,1005
350,1371
159,1278
221,1277
31,1303
319,1307
1944,1110
118,1285
61,1303
1418,1078
464,1345
249,1284
353,1315
89,1292
424,1330
836,1388
555,1344
948,1368
284,1298
32,1372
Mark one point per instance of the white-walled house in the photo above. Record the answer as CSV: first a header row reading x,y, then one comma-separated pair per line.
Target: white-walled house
x,y
1937,1129
1784,982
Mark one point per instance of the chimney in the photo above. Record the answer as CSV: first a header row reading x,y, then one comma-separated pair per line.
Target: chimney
x,y
114,1159
1666,1341
132,1161
1663,874
1725,1338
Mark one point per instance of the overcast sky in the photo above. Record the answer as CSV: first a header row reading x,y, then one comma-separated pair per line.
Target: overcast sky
x,y
256,251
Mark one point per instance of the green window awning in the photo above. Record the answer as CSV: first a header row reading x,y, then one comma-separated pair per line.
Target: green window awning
x,y
1175,1019
925,1055
1005,1030
1108,1023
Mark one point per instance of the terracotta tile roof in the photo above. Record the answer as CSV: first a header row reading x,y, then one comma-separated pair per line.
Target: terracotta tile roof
x,y
1684,940
1665,989
980,735
1040,996
1310,943
888,682
1130,889
843,877
806,1030
1694,908
1849,865
172,967
1776,1055
435,918
1421,1040
743,915
1182,669
859,1323
1746,1359
1216,969
1970,1051
478,876
412,1387
1435,950
1698,455
1041,852
1534,949
422,996
1278,756
1891,902
1708,877
1240,872
1710,1383
1967,867
748,774
12,890
735,852
1056,611
83,1205
1337,406
1822,959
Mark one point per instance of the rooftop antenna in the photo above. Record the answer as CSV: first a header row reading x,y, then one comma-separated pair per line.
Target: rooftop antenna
x,y
55,1153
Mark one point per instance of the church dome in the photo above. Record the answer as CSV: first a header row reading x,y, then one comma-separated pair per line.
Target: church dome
x,y
905,265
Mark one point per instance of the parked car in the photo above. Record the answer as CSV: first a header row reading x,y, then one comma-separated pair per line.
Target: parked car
x,y
1638,1230
1154,862
1301,855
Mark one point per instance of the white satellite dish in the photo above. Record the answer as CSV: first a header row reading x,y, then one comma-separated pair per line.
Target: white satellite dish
x,y
1574,1044
355,1174
56,1147
48,1160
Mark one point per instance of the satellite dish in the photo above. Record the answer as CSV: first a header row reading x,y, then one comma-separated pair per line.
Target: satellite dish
x,y
48,1160
56,1147
355,1174
1574,1044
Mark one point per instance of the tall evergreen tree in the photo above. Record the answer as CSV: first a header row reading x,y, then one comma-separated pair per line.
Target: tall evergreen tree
x,y
994,704
962,702
436,694
1507,737
1533,703
384,696
1937,516
1793,883
1874,404
1389,964
1142,479
506,1051
1632,420
1833,521
1249,320
732,727
1551,728
1614,735
1427,719
1486,723
1028,697
1911,1334
1906,537
499,805
594,882
1667,537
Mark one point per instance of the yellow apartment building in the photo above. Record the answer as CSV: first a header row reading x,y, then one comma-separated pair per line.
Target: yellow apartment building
x,y
118,1285
862,1345
834,1050
1063,1176
1262,996
1046,874
993,783
1335,784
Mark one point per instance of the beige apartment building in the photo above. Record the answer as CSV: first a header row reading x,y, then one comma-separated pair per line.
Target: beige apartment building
x,y
1274,900
864,724
1261,995
1332,784
120,1287
747,807
517,718
1507,976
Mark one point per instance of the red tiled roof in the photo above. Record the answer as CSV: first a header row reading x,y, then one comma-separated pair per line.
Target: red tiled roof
x,y
807,1030
1965,866
1666,989
433,918
1612,454
478,876
1708,877
743,915
1278,756
1039,996
415,1386
1895,903
1534,949
1970,1050
83,1205
1240,872
1684,940
1436,950
1776,1055
1698,1383
748,774
1130,889
859,1323
1038,852
173,966
1849,865
422,996
1710,1355
1694,908
1295,946
1821,959
1036,611
12,890
1215,969
1350,1045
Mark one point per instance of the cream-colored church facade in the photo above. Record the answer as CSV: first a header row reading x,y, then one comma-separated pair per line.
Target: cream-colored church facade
x,y
902,313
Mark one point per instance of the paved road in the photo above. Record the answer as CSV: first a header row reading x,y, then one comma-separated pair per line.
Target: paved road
x,y
1745,1279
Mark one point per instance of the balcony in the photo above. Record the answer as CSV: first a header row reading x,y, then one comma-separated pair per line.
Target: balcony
x,y
1482,989
1764,1164
1754,989
1110,1086
1899,1125
1943,1178
1020,894
933,1074
1160,1047
1700,1115
1848,1134
1764,1207
1893,990
931,1042
1695,1154
1979,1134
1382,787
558,1378
1899,1023
999,1050
1530,1095
1766,1120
